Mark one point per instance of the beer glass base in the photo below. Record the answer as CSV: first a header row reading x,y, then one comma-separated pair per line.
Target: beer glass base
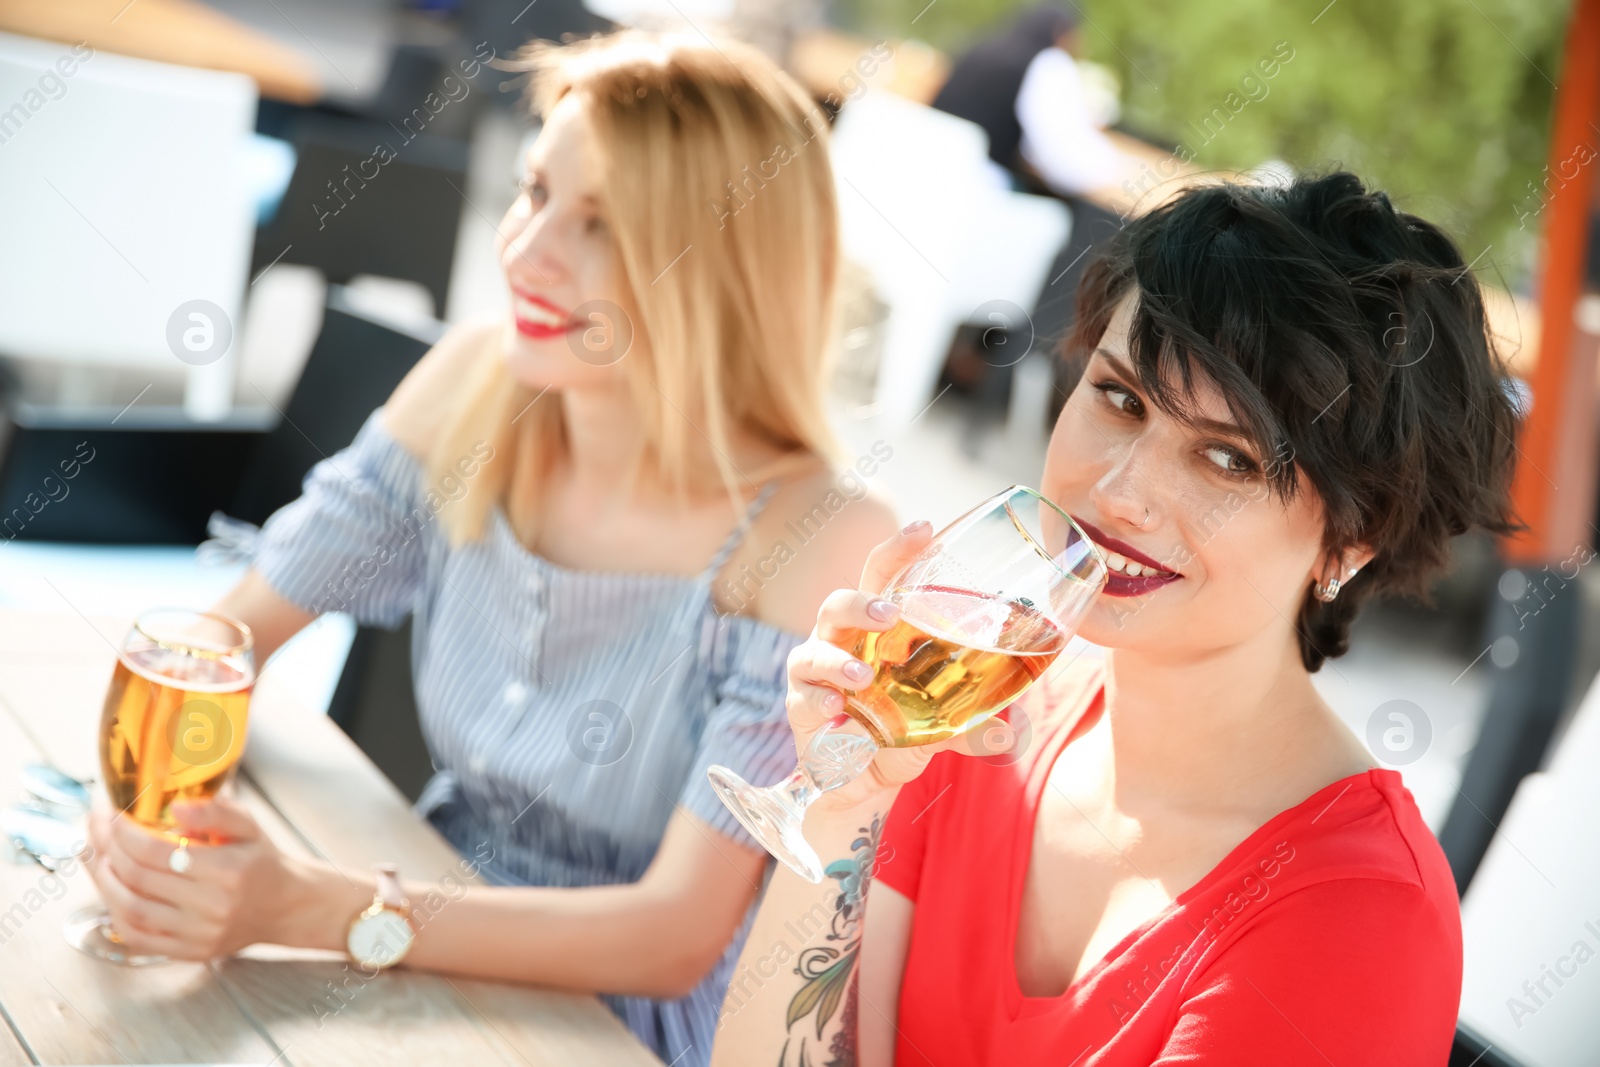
x,y
769,819
89,931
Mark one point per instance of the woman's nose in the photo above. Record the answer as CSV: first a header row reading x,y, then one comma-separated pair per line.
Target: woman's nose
x,y
1125,492
528,256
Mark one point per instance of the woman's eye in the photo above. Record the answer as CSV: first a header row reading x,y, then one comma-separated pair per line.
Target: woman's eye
x,y
532,189
1120,399
1230,460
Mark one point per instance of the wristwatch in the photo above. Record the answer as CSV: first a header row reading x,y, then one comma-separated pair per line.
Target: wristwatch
x,y
381,935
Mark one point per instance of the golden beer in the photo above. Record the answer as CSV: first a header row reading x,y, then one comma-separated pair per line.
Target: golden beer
x,y
175,713
952,659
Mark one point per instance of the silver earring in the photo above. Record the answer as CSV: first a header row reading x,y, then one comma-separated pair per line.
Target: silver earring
x,y
1325,592
1141,525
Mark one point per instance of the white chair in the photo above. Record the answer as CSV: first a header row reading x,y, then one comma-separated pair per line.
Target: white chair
x,y
920,210
123,195
908,178
1007,255
1008,250
1531,917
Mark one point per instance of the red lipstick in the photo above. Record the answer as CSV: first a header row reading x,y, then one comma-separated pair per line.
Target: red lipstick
x,y
540,319
1123,585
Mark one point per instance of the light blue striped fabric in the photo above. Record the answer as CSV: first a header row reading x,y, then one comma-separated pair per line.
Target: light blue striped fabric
x,y
568,712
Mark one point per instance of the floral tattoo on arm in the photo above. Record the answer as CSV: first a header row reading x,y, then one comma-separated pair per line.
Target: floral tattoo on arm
x,y
829,971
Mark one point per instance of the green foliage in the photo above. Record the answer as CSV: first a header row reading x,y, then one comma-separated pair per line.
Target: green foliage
x,y
1444,103
946,24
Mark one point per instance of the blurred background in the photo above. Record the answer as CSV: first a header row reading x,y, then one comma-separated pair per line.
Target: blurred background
x,y
231,226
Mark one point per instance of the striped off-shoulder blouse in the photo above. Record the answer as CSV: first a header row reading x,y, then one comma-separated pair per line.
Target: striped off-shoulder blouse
x,y
568,713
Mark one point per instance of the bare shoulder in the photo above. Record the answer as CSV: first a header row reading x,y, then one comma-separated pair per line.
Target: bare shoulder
x,y
812,538
417,410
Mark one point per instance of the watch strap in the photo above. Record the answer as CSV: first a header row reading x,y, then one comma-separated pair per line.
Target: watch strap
x,y
390,893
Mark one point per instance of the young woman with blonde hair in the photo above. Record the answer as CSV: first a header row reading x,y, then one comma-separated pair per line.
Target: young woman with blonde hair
x,y
558,498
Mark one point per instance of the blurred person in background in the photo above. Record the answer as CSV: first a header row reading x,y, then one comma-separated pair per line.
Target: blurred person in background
x,y
1288,405
581,507
1044,118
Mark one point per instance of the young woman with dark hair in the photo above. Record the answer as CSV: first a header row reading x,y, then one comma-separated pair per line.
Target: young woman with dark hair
x,y
1288,404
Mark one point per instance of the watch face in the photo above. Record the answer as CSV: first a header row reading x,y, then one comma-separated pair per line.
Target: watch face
x,y
381,939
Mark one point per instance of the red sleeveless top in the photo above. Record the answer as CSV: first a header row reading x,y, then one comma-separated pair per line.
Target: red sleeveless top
x,y
1330,935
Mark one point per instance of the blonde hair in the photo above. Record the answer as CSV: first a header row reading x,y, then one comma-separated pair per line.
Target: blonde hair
x,y
731,316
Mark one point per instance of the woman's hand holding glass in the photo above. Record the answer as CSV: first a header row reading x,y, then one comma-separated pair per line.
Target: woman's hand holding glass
x,y
820,674
236,892
945,631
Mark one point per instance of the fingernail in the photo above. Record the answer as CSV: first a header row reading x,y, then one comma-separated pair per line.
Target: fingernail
x,y
882,610
857,671
915,526
833,702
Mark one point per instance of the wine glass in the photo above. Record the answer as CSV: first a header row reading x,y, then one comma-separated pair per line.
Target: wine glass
x,y
985,609
173,728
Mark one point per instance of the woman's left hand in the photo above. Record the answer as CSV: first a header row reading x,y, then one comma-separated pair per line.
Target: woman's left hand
x,y
228,898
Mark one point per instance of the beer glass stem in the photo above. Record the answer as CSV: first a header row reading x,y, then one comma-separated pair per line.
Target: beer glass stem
x,y
774,814
796,792
831,759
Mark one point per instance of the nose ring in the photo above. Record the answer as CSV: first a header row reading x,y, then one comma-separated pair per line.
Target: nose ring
x,y
1140,525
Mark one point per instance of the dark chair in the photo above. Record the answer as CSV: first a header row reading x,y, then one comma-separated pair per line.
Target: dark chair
x,y
507,25
1471,1050
150,475
1054,314
1530,696
375,704
370,198
355,364
414,72
143,476
972,368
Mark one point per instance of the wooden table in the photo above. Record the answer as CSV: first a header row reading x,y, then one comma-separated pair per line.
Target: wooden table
x,y
315,793
172,31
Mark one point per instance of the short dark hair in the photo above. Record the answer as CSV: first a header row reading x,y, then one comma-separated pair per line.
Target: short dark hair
x,y
1351,344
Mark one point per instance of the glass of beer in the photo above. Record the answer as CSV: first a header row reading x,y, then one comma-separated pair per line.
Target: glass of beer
x,y
985,609
173,729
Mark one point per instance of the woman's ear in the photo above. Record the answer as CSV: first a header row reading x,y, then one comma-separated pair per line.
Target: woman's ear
x,y
1356,557
1345,563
